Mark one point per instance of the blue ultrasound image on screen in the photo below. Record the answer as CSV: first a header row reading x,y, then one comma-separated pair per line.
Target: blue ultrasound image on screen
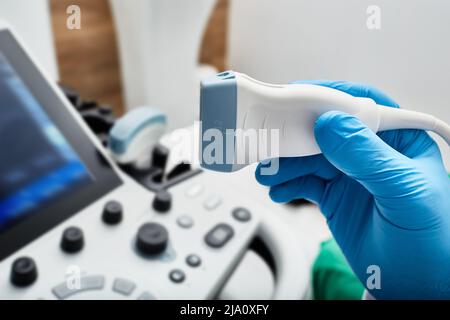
x,y
37,164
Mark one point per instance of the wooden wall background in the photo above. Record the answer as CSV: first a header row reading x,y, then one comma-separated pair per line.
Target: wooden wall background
x,y
88,58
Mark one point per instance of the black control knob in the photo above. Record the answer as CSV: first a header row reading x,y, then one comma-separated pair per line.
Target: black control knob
x,y
162,201
72,240
152,239
23,272
112,212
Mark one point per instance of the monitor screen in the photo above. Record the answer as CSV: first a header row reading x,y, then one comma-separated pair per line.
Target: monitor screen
x,y
37,165
50,169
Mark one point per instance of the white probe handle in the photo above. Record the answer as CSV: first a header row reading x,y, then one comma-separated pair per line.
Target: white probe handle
x,y
292,110
282,117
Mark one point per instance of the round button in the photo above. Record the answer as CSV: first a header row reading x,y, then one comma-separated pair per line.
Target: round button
x,y
152,238
112,212
185,222
193,260
23,272
242,214
162,201
177,276
72,240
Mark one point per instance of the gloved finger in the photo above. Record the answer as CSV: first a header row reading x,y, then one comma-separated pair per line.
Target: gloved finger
x,y
413,143
309,187
355,89
291,168
360,154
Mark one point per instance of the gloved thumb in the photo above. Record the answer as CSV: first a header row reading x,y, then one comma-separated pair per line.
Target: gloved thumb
x,y
358,152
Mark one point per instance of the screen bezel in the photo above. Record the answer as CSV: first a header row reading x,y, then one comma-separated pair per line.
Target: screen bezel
x,y
105,178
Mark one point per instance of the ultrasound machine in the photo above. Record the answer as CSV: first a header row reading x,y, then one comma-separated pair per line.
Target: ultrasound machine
x,y
76,225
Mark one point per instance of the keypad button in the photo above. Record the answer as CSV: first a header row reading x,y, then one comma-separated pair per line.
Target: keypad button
x,y
194,191
123,286
65,289
177,276
212,202
185,221
193,260
146,296
219,235
242,214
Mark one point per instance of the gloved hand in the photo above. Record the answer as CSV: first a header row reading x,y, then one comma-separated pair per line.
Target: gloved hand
x,y
386,199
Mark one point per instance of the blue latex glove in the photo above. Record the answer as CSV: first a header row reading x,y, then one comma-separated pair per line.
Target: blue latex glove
x,y
386,198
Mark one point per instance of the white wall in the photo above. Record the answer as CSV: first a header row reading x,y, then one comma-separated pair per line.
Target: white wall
x,y
159,43
408,58
31,20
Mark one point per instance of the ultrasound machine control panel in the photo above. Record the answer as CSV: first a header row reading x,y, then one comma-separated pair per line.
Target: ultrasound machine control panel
x,y
73,225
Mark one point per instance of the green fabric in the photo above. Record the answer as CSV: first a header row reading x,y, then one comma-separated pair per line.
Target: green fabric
x,y
333,279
